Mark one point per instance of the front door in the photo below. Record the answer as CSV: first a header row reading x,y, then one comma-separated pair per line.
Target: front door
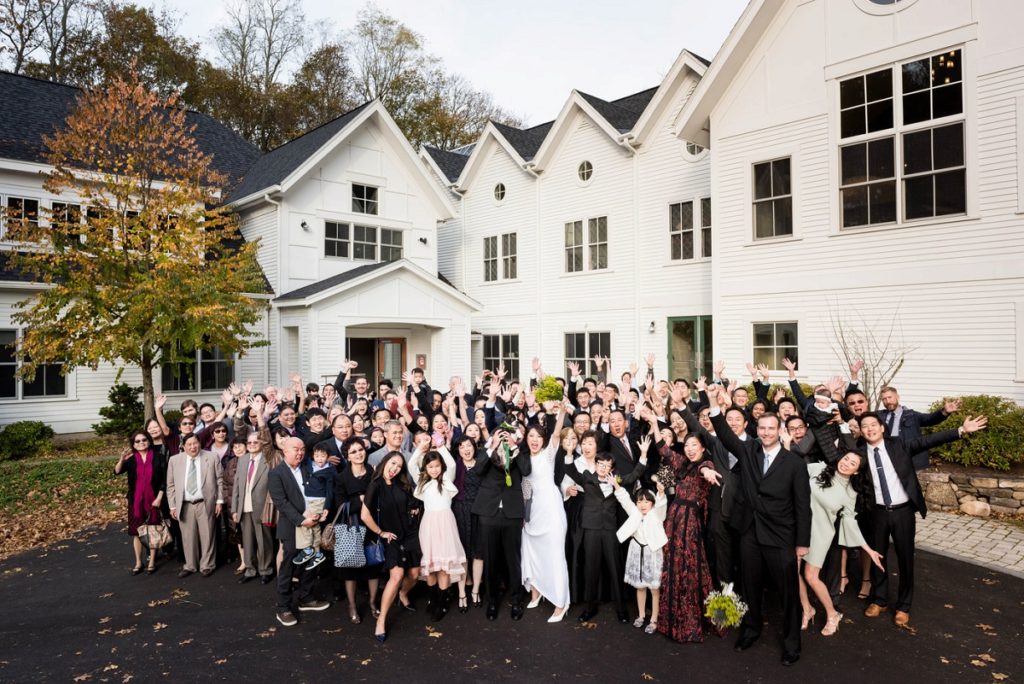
x,y
689,347
391,360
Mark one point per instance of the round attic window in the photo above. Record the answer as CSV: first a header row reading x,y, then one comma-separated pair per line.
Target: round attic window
x,y
585,171
499,191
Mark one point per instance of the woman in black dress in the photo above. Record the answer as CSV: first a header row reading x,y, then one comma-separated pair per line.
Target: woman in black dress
x,y
350,487
468,484
392,513
146,482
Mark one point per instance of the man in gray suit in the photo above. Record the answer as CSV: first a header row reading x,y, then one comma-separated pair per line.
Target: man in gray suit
x,y
194,494
285,485
248,499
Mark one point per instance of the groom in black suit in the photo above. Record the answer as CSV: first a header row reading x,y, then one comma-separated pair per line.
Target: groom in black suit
x,y
772,514
499,505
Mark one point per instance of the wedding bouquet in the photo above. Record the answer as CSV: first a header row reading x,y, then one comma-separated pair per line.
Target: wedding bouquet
x,y
510,428
547,389
724,608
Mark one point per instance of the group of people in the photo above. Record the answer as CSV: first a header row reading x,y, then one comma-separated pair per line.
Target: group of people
x,y
489,492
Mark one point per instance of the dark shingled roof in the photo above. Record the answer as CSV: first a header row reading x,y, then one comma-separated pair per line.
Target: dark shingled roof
x,y
707,62
333,281
525,141
450,163
276,165
31,108
619,115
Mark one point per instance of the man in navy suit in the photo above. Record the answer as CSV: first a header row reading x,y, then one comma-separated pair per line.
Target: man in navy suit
x,y
897,496
286,485
906,423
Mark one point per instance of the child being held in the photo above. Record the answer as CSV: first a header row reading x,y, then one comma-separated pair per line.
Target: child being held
x,y
319,492
645,529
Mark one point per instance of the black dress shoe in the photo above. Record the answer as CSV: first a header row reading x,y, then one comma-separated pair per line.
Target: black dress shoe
x,y
246,578
266,579
745,642
623,618
587,615
492,612
790,658
184,573
206,573
517,611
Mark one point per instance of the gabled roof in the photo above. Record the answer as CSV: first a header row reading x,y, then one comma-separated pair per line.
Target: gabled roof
x,y
448,163
694,121
360,275
623,113
686,63
525,141
32,108
275,166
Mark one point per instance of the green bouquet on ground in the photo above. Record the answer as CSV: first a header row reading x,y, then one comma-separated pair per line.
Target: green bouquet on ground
x,y
724,608
547,389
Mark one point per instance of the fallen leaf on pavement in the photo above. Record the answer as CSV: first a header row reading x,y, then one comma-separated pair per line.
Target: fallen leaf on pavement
x,y
186,642
999,676
158,626
107,595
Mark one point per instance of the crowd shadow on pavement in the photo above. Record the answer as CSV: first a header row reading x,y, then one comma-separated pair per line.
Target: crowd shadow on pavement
x,y
73,613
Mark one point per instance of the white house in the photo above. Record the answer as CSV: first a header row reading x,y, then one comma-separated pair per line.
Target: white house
x,y
858,160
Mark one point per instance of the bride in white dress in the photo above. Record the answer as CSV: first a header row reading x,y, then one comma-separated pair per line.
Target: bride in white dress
x,y
544,569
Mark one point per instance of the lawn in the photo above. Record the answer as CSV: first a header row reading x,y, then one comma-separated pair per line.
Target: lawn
x,y
49,498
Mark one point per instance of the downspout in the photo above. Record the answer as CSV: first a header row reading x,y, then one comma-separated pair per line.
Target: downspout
x,y
529,168
270,305
628,141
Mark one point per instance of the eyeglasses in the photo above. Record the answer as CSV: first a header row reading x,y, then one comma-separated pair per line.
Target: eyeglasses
x,y
185,423
141,440
220,432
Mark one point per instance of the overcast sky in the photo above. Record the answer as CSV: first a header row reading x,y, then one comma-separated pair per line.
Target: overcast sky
x,y
529,54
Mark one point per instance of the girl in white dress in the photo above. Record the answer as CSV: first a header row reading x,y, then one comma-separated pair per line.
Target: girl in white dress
x,y
444,559
544,570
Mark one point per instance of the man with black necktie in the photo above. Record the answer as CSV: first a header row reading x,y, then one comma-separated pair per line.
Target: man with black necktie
x,y
772,514
906,423
897,496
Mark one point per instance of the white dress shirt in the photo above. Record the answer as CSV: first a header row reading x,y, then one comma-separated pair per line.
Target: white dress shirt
x,y
897,493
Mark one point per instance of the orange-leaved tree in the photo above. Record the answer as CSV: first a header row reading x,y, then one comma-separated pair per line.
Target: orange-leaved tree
x,y
139,265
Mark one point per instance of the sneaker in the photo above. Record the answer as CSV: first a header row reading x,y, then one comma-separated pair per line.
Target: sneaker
x,y
287,618
303,557
313,604
316,560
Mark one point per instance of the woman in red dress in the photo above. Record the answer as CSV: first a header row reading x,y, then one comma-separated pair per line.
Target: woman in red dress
x,y
685,579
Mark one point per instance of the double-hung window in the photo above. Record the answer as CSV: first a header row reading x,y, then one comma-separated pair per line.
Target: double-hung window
x,y
901,155
586,245
346,240
581,347
773,199
500,249
206,371
502,350
364,199
18,209
684,241
47,381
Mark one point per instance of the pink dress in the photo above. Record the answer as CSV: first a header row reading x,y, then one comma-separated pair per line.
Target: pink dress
x,y
439,533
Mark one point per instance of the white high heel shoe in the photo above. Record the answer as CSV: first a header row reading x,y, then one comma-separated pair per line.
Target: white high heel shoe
x,y
558,618
535,602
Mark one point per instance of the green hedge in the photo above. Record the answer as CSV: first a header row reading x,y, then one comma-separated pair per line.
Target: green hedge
x,y
24,439
998,446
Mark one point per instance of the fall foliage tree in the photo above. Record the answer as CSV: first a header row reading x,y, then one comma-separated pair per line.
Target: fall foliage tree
x,y
147,272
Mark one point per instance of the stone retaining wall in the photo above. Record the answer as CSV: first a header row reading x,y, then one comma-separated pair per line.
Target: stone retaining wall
x,y
980,495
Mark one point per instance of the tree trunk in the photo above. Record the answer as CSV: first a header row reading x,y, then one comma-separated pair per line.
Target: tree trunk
x,y
148,396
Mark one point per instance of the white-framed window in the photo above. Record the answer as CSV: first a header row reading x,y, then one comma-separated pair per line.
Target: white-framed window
x,y
490,258
501,248
364,199
502,349
48,380
684,240
773,199
693,152
64,217
705,227
336,239
364,242
902,151
18,209
390,245
774,341
581,347
499,192
591,234
585,171
210,371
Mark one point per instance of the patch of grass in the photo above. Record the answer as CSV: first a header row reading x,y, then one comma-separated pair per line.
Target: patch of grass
x,y
42,486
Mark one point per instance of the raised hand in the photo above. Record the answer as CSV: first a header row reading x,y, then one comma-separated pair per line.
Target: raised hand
x,y
247,387
644,444
349,364
751,369
762,368
226,396
974,424
634,368
649,359
535,364
780,394
733,384
711,475
159,402
574,369
789,366
701,384
598,362
952,406
233,388
243,404
719,369
289,395
855,368
501,372
272,406
786,439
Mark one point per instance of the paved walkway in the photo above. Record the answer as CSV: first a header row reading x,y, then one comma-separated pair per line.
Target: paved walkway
x,y
993,544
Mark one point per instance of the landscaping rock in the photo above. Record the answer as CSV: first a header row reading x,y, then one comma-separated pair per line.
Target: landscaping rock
x,y
964,498
1003,510
1004,503
933,477
985,482
961,479
940,494
976,508
1011,482
1019,496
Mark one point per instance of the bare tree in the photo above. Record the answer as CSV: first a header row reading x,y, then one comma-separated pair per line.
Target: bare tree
x,y
878,343
280,34
68,27
236,40
20,29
